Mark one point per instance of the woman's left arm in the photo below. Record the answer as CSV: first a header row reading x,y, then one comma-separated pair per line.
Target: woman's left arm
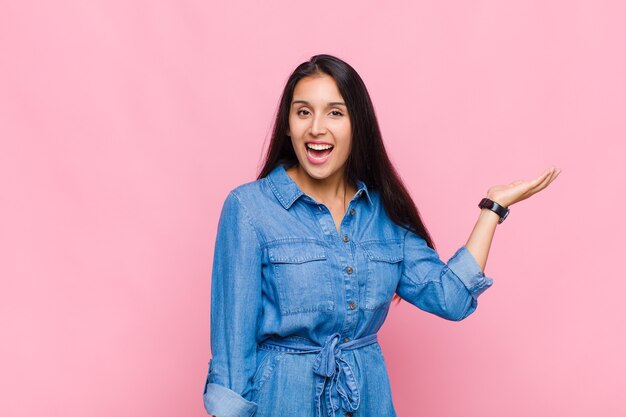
x,y
479,241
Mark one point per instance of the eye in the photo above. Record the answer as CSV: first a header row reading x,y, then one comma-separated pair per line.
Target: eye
x,y
301,110
338,113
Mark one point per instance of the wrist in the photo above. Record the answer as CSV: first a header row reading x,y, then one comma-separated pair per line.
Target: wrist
x,y
502,202
500,211
489,214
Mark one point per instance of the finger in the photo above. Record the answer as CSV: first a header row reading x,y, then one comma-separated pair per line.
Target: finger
x,y
558,171
540,178
548,178
553,174
540,183
530,185
545,180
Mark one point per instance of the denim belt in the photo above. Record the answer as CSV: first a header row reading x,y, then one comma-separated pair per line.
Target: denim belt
x,y
329,366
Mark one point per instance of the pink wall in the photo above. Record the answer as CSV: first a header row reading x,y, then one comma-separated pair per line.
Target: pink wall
x,y
123,124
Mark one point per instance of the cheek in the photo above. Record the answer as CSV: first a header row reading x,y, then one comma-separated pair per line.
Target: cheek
x,y
297,129
297,146
344,153
346,139
346,133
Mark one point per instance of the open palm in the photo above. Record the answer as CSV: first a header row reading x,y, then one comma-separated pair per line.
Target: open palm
x,y
519,190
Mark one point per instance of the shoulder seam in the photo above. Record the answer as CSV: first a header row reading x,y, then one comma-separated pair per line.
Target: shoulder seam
x,y
248,217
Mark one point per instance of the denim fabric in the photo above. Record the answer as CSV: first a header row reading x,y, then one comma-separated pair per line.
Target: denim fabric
x,y
295,305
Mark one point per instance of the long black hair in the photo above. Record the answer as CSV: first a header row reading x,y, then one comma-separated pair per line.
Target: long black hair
x,y
368,160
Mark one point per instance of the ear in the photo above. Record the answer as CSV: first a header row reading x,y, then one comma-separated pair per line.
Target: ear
x,y
288,134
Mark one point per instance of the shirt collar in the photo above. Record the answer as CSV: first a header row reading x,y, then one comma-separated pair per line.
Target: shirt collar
x,y
287,191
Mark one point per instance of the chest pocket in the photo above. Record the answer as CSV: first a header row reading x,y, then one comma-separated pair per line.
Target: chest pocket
x,y
302,276
384,265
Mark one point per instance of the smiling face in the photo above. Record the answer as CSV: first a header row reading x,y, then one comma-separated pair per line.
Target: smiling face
x,y
319,127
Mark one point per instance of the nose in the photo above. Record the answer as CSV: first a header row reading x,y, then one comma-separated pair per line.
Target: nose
x,y
317,125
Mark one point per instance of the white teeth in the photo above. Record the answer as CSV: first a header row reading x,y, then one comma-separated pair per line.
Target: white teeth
x,y
308,152
318,147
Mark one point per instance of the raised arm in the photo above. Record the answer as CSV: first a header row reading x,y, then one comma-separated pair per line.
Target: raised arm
x,y
479,241
447,289
451,289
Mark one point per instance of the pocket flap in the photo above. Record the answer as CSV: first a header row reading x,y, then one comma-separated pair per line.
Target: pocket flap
x,y
296,252
386,251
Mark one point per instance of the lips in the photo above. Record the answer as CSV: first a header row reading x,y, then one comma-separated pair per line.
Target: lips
x,y
318,153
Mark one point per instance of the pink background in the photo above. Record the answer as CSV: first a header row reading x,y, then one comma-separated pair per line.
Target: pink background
x,y
123,125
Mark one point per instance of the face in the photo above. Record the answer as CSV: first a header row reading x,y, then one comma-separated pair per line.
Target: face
x,y
319,127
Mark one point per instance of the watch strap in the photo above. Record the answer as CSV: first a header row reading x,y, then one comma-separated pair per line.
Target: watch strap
x,y
501,211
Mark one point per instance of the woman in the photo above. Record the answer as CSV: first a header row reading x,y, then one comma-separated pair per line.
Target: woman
x,y
309,256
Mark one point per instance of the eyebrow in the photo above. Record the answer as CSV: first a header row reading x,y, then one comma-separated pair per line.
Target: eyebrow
x,y
331,103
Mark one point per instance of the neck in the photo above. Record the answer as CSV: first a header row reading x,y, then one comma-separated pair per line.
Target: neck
x,y
326,190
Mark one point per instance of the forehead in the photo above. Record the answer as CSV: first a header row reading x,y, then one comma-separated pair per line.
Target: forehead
x,y
318,88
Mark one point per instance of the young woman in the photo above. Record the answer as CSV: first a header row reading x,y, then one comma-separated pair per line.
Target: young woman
x,y
309,256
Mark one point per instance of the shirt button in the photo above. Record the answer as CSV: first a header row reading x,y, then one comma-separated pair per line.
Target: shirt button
x,y
349,270
351,212
352,305
345,238
346,339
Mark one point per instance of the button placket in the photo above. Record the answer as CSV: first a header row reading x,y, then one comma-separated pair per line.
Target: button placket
x,y
351,284
325,221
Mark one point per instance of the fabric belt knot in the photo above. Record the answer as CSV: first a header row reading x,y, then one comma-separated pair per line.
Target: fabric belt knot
x,y
337,372
331,368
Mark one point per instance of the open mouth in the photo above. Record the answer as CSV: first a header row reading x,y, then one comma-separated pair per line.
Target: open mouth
x,y
319,151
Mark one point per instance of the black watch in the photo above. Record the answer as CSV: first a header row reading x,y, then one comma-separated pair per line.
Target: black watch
x,y
495,207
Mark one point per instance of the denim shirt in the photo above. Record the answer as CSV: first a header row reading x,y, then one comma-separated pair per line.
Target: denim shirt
x,y
295,305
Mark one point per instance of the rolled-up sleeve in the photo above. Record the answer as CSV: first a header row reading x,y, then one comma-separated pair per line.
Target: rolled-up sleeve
x,y
449,290
235,311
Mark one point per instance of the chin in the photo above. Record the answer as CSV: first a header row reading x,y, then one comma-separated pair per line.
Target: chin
x,y
317,173
320,173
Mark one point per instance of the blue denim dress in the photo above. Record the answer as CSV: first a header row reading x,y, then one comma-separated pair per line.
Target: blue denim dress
x,y
296,306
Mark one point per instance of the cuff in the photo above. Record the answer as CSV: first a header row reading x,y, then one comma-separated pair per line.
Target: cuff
x,y
464,265
223,402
